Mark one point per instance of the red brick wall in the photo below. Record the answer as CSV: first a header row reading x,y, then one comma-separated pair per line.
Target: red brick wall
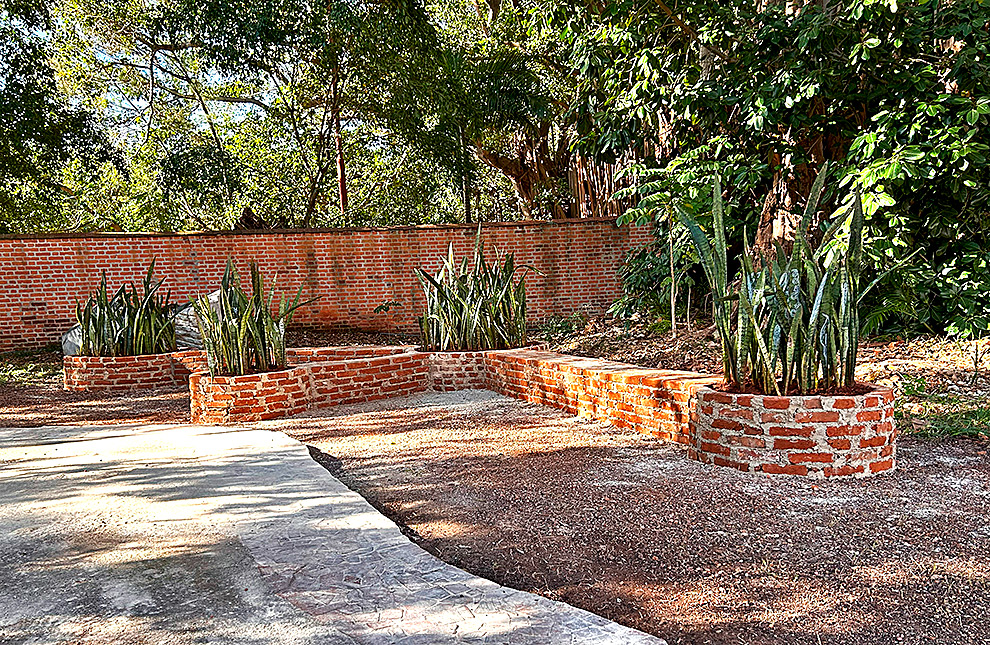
x,y
313,384
818,436
352,271
452,371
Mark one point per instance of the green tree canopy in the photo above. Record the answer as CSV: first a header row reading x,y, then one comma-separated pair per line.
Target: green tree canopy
x,y
895,94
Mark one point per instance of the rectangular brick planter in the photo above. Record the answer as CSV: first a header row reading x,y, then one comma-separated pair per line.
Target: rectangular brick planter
x,y
121,373
314,384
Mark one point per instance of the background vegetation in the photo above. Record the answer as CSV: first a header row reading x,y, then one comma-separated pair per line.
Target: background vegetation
x,y
182,114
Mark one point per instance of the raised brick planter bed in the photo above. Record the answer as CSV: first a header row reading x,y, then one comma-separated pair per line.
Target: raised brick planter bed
x,y
221,400
315,383
121,373
656,402
818,436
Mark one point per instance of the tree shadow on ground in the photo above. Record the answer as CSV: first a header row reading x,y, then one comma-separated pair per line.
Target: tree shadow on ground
x,y
695,554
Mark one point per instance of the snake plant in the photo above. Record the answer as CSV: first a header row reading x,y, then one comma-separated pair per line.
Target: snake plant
x,y
474,305
789,322
243,333
130,322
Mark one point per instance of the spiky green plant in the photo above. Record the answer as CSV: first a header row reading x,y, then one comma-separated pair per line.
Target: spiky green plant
x,y
243,333
790,322
130,322
474,305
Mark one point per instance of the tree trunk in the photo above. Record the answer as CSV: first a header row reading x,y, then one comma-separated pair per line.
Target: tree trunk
x,y
467,199
783,206
339,143
518,174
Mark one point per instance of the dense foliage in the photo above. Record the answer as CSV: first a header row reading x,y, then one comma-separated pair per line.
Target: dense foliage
x,y
896,94
41,133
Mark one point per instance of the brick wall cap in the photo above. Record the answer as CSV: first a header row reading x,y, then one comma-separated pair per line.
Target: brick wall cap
x,y
885,393
467,228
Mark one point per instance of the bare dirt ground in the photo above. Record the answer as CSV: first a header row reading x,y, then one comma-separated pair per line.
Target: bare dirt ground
x,y
626,527
31,394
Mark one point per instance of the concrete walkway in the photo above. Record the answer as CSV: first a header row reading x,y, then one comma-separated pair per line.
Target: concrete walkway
x,y
182,534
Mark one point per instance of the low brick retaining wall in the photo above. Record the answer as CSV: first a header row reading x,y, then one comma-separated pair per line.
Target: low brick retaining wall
x,y
296,355
121,373
316,384
451,371
656,402
820,436
817,436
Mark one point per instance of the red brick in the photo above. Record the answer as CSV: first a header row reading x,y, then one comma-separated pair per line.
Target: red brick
x,y
810,457
726,424
793,444
791,469
783,431
844,431
880,466
817,417
842,471
749,442
776,402
873,442
714,448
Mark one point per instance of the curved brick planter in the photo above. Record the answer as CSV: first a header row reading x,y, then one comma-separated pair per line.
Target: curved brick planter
x,y
121,373
816,436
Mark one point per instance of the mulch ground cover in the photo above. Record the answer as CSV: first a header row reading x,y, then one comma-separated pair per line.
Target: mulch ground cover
x,y
629,528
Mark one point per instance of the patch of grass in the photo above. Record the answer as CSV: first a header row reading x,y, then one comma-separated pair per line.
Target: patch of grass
x,y
31,367
939,415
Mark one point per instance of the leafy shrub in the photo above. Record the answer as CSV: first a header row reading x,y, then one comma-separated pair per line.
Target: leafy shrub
x,y
474,306
556,327
128,323
240,333
648,274
795,323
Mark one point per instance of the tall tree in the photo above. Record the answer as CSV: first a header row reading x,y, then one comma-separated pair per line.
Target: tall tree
x,y
895,95
41,134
